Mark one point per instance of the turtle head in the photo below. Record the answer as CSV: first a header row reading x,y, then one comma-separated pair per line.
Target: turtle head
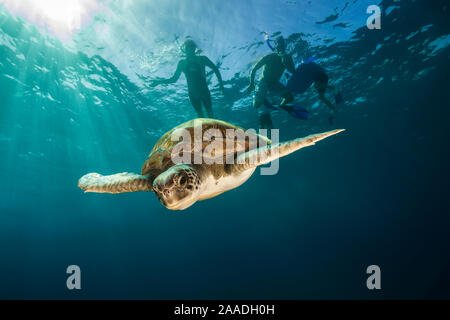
x,y
178,187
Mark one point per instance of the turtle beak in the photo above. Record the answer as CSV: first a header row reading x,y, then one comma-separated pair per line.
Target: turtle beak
x,y
172,204
172,198
179,205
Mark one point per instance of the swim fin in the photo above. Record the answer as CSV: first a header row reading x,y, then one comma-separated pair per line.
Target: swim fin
x,y
296,111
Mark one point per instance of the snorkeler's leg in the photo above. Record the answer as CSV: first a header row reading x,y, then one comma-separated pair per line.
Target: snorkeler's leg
x,y
260,94
287,98
265,121
259,98
207,104
197,104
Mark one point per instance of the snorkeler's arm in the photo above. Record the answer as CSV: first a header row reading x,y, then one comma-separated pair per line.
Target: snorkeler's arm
x,y
173,79
327,102
258,66
214,68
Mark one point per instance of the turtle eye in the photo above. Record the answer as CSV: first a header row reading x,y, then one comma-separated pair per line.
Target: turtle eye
x,y
183,181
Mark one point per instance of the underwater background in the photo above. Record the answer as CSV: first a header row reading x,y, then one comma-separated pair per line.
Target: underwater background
x,y
78,100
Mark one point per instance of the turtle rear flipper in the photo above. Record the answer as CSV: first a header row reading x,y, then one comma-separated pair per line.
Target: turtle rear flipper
x,y
116,183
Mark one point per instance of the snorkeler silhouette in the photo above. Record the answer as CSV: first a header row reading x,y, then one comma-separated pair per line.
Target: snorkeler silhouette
x,y
302,78
274,66
193,67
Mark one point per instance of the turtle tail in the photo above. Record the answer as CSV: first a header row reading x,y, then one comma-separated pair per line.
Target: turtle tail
x,y
116,183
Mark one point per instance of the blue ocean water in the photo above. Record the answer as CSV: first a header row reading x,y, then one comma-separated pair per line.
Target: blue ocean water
x,y
75,100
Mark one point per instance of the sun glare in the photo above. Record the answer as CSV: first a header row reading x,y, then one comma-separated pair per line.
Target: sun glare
x,y
62,17
65,13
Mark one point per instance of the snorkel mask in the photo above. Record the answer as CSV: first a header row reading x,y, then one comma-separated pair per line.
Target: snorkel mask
x,y
280,45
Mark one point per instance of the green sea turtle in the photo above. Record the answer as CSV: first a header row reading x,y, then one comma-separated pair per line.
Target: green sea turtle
x,y
179,185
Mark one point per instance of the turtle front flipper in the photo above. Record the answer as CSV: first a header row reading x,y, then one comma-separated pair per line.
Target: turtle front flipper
x,y
266,154
116,183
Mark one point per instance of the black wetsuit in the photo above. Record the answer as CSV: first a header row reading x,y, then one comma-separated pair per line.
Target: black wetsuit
x,y
305,75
